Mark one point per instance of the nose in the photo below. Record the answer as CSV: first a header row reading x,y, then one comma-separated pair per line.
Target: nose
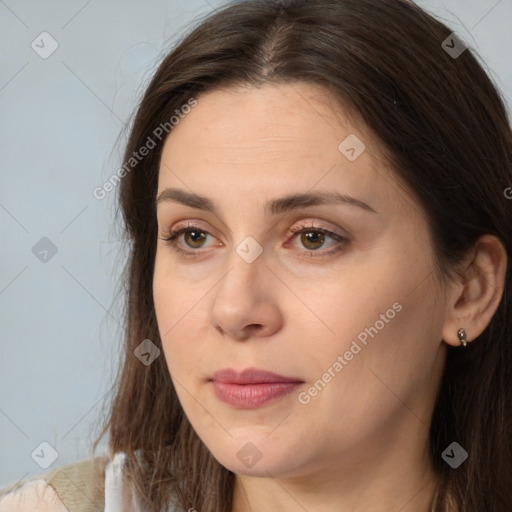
x,y
246,304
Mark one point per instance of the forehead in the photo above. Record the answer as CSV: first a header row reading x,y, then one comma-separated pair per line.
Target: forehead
x,y
279,137
297,118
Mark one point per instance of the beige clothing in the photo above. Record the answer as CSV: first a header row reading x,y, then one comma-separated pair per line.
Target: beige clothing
x,y
89,485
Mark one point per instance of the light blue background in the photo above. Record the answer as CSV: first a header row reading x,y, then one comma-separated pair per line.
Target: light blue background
x,y
61,135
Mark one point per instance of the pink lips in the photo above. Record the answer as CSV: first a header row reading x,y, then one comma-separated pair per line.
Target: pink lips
x,y
252,387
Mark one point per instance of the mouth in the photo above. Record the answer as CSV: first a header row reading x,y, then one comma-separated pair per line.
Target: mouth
x,y
252,387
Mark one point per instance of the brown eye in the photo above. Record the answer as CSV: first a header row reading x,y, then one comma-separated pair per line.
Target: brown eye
x,y
194,238
312,239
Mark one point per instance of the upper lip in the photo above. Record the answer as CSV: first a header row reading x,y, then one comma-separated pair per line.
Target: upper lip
x,y
250,376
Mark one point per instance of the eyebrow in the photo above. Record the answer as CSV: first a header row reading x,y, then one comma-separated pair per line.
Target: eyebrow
x,y
273,207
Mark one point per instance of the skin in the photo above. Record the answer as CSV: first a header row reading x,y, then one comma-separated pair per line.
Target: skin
x,y
361,443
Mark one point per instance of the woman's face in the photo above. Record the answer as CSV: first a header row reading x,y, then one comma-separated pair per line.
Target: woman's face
x,y
352,316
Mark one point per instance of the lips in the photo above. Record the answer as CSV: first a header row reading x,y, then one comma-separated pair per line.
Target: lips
x,y
251,376
252,387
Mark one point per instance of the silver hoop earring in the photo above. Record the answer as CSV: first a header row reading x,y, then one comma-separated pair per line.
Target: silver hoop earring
x,y
462,337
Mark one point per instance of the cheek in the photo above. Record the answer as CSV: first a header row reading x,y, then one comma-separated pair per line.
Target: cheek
x,y
173,296
384,314
180,319
386,368
168,306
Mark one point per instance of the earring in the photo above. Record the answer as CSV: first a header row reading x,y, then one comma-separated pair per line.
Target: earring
x,y
462,336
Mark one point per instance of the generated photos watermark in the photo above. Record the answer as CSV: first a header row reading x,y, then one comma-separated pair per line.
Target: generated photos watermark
x,y
304,397
158,133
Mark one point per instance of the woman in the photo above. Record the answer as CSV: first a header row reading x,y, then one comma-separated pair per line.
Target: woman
x,y
319,279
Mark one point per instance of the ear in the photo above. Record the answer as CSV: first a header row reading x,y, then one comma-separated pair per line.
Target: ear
x,y
475,297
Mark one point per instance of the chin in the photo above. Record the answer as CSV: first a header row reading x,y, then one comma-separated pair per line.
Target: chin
x,y
255,459
262,468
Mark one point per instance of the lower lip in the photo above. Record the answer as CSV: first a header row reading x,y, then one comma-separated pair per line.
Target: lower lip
x,y
250,396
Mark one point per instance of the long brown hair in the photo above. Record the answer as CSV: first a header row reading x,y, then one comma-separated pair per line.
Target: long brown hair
x,y
444,127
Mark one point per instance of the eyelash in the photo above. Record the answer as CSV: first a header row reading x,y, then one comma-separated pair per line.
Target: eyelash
x,y
170,237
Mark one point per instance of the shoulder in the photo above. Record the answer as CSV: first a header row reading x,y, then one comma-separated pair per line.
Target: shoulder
x,y
34,495
75,487
89,485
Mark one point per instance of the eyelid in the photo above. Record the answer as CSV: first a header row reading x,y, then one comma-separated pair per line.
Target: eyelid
x,y
182,227
317,223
